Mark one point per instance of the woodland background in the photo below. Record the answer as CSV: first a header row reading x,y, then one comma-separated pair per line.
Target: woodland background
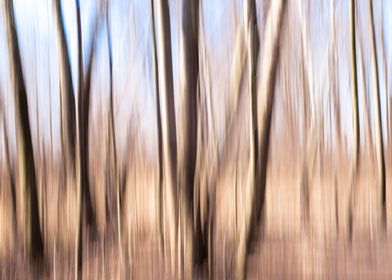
x,y
195,139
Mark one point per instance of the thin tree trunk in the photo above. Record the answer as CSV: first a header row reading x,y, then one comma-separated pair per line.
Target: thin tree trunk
x,y
305,192
354,99
159,131
368,132
112,132
385,69
83,182
67,97
189,76
334,68
378,117
266,92
67,112
10,172
169,139
309,138
252,43
33,243
265,102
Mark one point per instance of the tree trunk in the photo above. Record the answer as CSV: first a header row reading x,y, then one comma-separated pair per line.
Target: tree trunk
x,y
379,134
189,77
168,121
33,243
264,102
112,132
67,97
83,182
354,99
159,132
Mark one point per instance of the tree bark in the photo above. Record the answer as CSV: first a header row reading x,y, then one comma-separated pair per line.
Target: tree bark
x,y
168,121
264,105
67,97
32,238
189,77
83,182
354,99
252,43
159,131
378,117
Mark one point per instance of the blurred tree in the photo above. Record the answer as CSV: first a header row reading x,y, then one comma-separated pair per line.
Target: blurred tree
x,y
355,117
191,244
26,178
84,88
262,102
167,120
378,118
76,159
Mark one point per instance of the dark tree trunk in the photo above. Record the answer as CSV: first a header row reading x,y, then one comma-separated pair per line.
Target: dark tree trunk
x,y
26,167
189,65
252,36
167,116
67,97
379,133
354,99
159,131
84,87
